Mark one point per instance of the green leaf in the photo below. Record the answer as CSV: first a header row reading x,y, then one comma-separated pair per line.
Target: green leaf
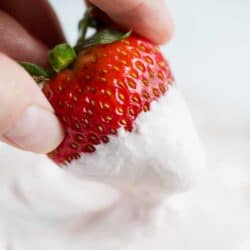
x,y
61,56
35,70
105,36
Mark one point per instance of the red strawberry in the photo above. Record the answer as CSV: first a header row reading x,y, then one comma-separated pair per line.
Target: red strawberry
x,y
106,88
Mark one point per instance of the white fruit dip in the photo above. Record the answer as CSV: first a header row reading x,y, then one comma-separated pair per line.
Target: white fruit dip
x,y
163,153
45,207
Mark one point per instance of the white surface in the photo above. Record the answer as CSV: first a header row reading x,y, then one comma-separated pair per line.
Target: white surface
x,y
210,57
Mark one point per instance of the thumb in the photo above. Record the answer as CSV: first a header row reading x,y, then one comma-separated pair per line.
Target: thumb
x,y
27,120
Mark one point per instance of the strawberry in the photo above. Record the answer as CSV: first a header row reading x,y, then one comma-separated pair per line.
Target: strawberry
x,y
103,87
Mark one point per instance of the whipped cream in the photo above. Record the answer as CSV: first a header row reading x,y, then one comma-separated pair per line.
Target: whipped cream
x,y
44,207
163,152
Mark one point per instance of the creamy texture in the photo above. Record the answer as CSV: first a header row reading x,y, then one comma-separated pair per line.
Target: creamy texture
x,y
161,156
44,207
163,153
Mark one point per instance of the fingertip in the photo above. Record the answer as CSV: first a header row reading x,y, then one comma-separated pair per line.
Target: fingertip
x,y
148,18
165,33
27,120
36,130
159,26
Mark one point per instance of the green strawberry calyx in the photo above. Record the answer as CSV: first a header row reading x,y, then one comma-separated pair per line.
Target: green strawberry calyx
x,y
63,55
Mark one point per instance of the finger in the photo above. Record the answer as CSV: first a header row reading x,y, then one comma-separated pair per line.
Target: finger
x,y
27,120
149,18
18,43
38,17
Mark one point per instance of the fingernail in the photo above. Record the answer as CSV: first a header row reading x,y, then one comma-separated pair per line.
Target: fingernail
x,y
36,130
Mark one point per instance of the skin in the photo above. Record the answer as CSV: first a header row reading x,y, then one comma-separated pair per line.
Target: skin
x,y
27,120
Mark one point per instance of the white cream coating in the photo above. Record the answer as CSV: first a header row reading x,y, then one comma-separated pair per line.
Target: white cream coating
x,y
43,207
162,153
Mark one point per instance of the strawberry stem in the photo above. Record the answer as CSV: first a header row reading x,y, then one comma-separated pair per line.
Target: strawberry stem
x,y
61,56
105,33
86,22
104,36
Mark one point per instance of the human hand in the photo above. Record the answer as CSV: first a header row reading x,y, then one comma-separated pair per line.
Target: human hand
x,y
27,120
149,18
